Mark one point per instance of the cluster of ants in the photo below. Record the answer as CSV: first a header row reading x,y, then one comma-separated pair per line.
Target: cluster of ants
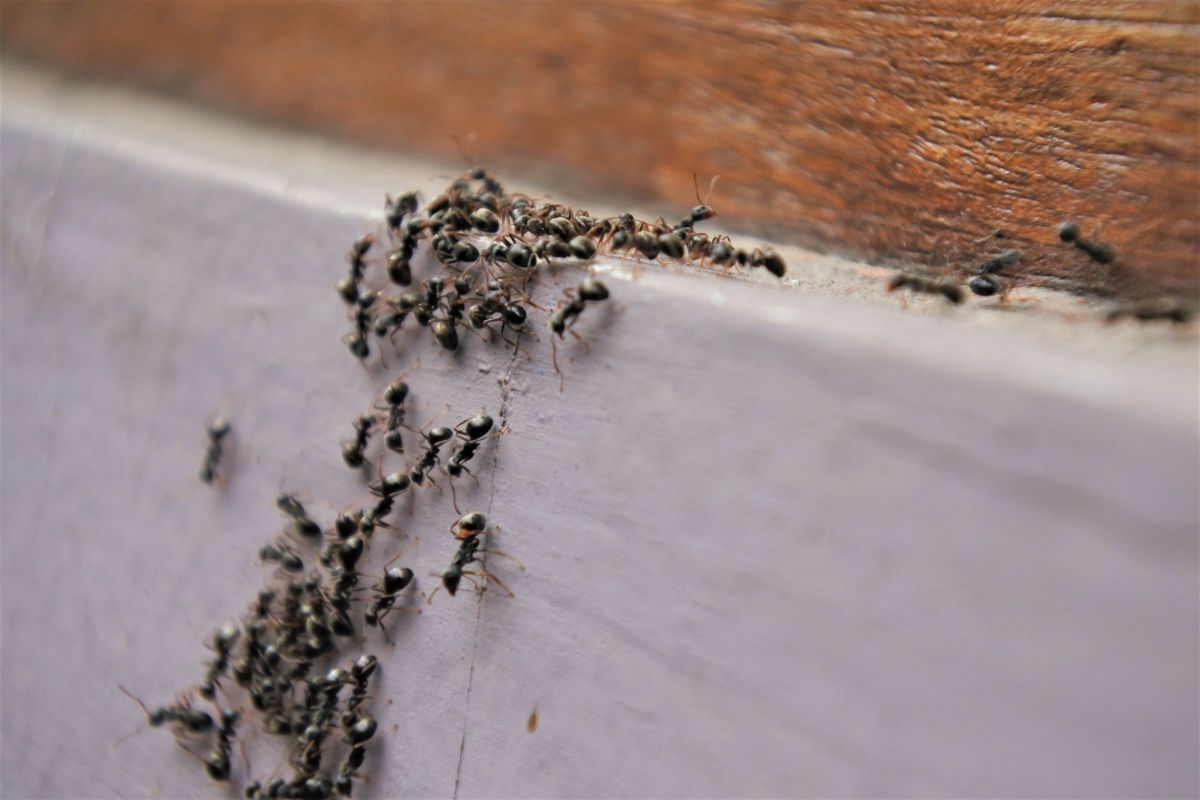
x,y
279,655
994,276
489,247
278,663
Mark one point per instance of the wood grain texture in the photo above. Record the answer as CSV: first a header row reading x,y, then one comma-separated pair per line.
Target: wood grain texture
x,y
900,132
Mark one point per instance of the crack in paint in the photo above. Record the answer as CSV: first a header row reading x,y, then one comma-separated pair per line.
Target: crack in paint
x,y
503,381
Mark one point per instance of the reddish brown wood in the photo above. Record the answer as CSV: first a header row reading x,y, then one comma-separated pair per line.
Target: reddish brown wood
x,y
896,131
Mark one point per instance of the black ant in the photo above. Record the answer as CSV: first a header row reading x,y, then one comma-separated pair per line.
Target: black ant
x,y
1170,311
216,431
918,283
284,555
771,260
387,324
217,762
358,341
434,440
467,554
495,305
348,287
1099,252
395,580
360,675
396,210
304,524
469,530
387,489
990,279
344,782
222,644
181,713
394,397
472,432
352,451
565,315
701,212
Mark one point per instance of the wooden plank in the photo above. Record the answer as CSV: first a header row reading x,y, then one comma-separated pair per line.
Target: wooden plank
x,y
901,132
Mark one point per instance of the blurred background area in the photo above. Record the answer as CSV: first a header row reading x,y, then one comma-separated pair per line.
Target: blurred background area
x,y
894,132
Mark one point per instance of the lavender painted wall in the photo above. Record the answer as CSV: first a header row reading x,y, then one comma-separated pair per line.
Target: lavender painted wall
x,y
777,541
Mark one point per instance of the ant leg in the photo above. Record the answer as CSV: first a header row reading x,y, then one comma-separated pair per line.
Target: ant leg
x,y
515,345
454,497
436,589
503,554
135,699
492,577
583,341
553,358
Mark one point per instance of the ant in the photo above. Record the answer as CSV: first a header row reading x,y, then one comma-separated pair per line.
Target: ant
x,y
352,451
287,558
1099,252
360,675
917,283
181,713
1170,311
357,341
469,530
396,210
222,644
390,486
434,440
495,306
344,782
990,279
388,324
770,259
565,315
701,212
216,431
348,287
471,431
303,524
217,763
395,580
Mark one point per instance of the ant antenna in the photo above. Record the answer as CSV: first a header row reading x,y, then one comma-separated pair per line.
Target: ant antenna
x,y
466,152
711,185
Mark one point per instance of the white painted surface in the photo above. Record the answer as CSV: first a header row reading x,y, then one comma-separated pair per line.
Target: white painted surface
x,y
778,541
